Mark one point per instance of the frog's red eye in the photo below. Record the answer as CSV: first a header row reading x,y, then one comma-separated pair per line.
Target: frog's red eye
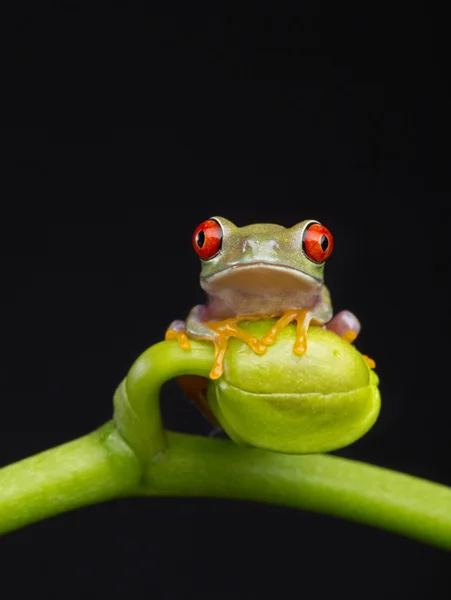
x,y
207,238
318,242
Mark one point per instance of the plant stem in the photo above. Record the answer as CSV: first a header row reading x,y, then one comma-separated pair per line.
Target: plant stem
x,y
137,399
91,469
134,455
403,504
100,467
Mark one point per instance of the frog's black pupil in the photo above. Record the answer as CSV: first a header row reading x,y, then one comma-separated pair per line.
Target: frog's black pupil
x,y
324,243
200,239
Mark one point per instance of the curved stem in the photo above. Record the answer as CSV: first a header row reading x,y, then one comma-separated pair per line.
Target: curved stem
x,y
91,469
403,504
137,399
102,466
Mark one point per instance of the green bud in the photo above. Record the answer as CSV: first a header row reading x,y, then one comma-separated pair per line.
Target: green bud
x,y
280,401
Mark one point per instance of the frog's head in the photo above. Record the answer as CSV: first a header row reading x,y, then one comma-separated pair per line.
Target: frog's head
x,y
261,259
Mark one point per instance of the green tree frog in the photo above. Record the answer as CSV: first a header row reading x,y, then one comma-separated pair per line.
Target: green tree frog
x,y
261,271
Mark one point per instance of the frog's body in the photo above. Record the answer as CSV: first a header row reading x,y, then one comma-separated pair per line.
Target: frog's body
x,y
258,272
259,269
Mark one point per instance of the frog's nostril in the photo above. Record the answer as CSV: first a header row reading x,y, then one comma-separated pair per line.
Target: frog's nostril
x,y
250,245
256,246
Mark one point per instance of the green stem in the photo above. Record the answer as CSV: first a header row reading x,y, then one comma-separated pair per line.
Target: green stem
x,y
91,469
153,462
100,467
360,492
137,399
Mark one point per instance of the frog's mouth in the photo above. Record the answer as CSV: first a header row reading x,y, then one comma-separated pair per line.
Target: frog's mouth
x,y
260,287
260,276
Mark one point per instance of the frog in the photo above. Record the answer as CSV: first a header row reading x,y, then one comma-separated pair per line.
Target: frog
x,y
261,271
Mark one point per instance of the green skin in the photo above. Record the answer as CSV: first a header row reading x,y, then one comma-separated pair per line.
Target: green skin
x,y
262,269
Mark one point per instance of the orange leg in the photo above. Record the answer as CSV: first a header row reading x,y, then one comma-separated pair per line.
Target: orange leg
x,y
180,336
302,318
349,336
369,361
228,328
302,325
224,331
195,387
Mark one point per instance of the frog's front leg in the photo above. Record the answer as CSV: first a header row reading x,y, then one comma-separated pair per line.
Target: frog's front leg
x,y
319,312
177,331
193,327
345,324
218,332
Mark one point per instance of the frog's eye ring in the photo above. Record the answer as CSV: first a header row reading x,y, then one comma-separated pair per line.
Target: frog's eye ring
x,y
317,242
207,239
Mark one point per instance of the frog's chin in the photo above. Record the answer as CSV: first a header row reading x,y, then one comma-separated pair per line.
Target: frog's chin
x,y
262,287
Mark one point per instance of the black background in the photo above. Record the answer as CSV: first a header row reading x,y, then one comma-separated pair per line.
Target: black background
x,y
125,130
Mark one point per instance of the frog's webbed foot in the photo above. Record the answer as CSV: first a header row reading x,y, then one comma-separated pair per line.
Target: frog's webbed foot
x,y
217,332
347,326
177,331
223,331
302,318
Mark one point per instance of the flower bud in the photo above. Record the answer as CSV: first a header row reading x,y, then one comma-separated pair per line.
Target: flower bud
x,y
280,401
